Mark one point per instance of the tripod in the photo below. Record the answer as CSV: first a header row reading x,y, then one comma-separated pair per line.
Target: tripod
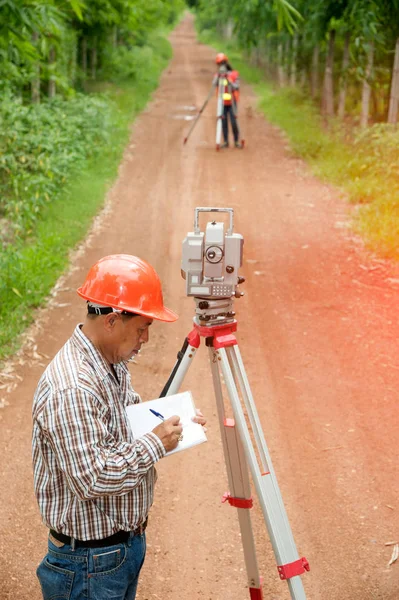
x,y
200,112
214,321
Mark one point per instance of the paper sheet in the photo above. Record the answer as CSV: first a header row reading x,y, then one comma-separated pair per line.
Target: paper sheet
x,y
142,420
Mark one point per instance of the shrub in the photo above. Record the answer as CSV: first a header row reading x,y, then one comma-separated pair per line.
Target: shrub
x,y
40,146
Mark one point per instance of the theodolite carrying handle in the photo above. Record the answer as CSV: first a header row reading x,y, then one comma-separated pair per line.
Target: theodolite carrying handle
x,y
199,209
200,112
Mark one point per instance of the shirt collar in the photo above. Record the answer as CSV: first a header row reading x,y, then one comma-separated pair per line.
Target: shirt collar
x,y
98,361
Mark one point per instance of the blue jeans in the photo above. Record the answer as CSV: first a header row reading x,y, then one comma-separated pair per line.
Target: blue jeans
x,y
109,573
228,110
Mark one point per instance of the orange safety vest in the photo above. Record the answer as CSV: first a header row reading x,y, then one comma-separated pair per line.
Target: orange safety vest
x,y
228,92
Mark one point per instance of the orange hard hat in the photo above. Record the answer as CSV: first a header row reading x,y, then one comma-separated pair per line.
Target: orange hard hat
x,y
220,58
126,283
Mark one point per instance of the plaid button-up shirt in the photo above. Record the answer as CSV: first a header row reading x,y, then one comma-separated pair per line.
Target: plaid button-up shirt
x,y
91,477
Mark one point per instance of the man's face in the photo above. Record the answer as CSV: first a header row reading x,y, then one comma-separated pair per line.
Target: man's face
x,y
129,335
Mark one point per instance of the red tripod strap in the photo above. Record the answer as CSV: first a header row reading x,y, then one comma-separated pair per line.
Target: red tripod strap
x,y
237,502
298,567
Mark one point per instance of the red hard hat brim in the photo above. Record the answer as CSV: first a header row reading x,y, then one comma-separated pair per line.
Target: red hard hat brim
x,y
165,314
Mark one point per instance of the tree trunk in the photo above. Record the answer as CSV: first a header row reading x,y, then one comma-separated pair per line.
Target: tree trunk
x,y
315,72
258,56
273,59
93,59
364,118
114,36
267,58
270,58
51,81
287,61
394,97
344,77
328,88
228,29
35,84
73,61
375,104
293,61
255,56
280,65
84,56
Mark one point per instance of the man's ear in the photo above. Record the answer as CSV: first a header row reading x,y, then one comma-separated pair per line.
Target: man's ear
x,y
110,321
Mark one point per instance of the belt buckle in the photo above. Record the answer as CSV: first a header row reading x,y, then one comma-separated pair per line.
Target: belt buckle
x,y
54,541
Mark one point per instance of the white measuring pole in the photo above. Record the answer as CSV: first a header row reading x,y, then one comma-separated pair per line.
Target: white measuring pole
x,y
219,112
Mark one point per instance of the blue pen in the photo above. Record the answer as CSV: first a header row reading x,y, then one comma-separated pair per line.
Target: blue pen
x,y
157,414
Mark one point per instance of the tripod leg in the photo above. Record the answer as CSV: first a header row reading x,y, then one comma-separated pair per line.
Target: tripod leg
x,y
237,474
184,360
200,113
290,565
219,116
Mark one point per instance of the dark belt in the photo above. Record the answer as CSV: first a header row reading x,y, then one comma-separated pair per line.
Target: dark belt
x,y
120,537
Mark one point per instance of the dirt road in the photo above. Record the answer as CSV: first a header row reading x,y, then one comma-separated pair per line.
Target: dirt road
x,y
318,333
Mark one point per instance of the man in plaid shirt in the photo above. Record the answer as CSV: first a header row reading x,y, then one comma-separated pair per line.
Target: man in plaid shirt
x,y
93,481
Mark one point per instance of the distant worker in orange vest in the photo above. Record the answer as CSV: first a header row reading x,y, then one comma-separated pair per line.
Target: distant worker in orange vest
x,y
231,96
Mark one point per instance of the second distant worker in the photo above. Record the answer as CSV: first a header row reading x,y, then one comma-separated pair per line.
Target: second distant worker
x,y
231,93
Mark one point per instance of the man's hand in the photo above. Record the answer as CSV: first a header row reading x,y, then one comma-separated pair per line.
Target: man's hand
x,y
169,432
199,418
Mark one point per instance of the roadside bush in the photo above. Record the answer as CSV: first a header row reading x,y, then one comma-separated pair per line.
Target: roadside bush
x,y
41,145
137,63
57,161
377,150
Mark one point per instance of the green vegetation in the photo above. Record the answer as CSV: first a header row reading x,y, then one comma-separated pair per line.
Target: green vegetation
x,y
332,73
63,128
344,53
34,167
362,162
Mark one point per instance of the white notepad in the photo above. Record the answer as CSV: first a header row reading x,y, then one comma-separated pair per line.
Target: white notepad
x,y
142,420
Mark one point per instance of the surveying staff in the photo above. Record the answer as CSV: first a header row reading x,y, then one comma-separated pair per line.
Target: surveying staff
x,y
231,87
94,483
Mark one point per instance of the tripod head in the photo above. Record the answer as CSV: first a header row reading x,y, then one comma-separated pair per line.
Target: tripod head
x,y
210,264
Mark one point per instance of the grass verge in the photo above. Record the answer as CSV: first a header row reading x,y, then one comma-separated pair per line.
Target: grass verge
x,y
365,166
29,268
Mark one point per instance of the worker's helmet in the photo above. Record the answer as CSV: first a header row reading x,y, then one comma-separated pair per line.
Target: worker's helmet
x,y
220,58
126,283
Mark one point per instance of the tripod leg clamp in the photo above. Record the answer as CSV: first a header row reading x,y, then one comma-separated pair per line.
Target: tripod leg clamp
x,y
298,567
194,338
237,502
